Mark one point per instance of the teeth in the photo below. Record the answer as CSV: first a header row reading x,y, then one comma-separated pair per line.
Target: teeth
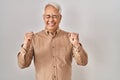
x,y
51,24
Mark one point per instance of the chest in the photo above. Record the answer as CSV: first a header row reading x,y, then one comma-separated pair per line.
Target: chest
x,y
46,47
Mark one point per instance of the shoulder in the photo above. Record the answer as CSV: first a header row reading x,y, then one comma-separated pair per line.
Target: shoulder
x,y
64,37
40,33
63,32
38,36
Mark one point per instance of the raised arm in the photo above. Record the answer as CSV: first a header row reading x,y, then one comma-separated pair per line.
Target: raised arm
x,y
79,53
26,51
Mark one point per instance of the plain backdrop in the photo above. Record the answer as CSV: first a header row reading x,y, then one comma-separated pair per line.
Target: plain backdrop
x,y
96,21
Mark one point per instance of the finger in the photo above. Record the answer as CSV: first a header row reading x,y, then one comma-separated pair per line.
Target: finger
x,y
30,34
75,35
72,35
69,35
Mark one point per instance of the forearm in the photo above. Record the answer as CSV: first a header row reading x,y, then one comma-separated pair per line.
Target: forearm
x,y
80,55
24,57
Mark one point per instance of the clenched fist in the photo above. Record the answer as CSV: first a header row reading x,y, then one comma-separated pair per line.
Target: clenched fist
x,y
28,39
74,39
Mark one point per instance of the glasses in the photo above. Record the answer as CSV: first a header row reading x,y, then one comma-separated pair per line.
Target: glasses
x,y
52,16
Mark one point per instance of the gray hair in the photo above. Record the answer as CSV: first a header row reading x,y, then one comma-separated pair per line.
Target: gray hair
x,y
57,6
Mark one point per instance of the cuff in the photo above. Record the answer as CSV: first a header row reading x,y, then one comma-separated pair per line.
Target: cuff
x,y
23,50
77,48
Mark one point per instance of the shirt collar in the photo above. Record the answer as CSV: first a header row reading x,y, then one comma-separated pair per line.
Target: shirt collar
x,y
53,34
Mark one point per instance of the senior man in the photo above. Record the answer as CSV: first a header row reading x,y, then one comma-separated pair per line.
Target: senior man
x,y
52,48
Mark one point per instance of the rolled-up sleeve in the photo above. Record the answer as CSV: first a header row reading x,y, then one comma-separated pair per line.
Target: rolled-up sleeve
x,y
80,55
25,57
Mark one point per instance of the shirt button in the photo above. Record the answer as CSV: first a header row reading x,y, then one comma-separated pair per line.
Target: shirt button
x,y
54,76
53,56
54,66
53,47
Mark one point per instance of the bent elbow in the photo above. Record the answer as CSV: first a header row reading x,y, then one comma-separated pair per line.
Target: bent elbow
x,y
22,66
83,62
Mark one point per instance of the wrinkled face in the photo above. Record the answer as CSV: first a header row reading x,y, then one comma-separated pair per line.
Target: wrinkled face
x,y
51,18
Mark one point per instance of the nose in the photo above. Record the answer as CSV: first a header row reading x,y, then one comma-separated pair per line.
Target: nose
x,y
51,19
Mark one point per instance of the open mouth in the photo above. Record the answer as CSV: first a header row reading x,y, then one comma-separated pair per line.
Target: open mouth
x,y
51,24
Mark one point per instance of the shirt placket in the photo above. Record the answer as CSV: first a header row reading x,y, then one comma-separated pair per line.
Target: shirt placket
x,y
54,77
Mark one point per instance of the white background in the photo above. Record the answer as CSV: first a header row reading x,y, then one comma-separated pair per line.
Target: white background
x,y
96,21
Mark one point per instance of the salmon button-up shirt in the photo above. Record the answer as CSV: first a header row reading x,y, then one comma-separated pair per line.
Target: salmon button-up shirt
x,y
52,54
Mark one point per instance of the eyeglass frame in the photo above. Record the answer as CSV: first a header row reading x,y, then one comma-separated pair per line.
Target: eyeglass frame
x,y
51,16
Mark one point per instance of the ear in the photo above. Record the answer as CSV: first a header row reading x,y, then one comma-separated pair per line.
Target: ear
x,y
60,17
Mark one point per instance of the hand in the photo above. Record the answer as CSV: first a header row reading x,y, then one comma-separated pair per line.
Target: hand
x,y
74,38
28,39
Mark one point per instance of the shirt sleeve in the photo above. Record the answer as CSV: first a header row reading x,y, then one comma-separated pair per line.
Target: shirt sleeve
x,y
80,55
25,57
